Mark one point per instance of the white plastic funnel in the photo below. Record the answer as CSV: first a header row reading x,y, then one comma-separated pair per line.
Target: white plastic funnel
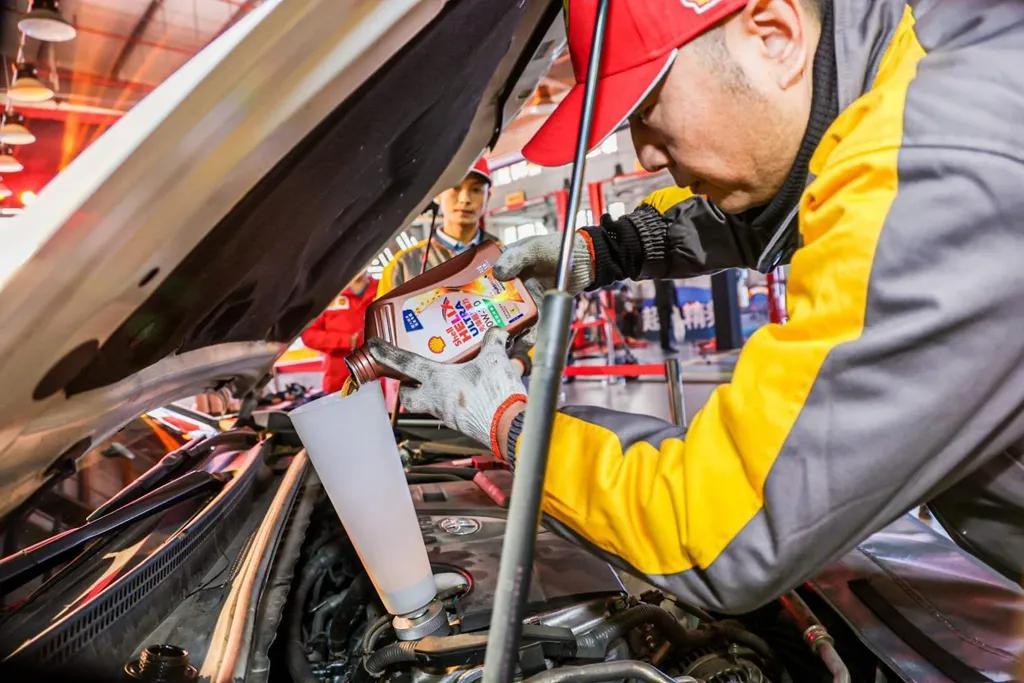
x,y
351,445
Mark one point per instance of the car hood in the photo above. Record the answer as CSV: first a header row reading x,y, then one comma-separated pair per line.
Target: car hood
x,y
188,246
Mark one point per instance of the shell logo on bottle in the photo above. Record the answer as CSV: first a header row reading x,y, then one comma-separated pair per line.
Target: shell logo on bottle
x,y
436,345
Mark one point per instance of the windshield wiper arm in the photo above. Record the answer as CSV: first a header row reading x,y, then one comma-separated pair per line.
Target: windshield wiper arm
x,y
148,481
26,564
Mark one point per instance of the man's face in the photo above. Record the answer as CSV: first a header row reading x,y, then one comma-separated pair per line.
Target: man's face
x,y
728,118
463,205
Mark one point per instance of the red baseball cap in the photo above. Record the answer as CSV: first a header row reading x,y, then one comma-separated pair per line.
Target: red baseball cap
x,y
481,168
640,44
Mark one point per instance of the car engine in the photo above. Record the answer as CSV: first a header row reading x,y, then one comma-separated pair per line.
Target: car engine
x,y
583,624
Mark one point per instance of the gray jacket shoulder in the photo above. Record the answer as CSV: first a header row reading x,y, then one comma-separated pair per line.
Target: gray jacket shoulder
x,y
863,31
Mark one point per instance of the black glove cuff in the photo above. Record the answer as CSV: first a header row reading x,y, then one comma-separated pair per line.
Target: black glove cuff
x,y
652,229
624,248
606,268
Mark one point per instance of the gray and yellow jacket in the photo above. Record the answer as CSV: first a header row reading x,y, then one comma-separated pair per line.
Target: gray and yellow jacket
x,y
900,374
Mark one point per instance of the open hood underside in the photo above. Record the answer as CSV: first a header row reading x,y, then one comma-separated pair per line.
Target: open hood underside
x,y
195,240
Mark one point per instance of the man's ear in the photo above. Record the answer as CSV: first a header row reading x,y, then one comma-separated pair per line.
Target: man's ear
x,y
781,26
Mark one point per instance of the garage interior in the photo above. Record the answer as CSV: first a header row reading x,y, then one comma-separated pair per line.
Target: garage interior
x,y
209,208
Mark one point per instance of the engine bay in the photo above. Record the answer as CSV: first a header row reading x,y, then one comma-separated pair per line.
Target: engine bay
x,y
316,613
582,624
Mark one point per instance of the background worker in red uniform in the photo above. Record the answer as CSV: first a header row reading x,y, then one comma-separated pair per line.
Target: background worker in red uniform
x,y
339,329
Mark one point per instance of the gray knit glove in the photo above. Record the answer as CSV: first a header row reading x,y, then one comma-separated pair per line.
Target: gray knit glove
x,y
470,397
536,258
535,261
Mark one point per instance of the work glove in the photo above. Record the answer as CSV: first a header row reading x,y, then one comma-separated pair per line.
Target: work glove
x,y
535,261
477,397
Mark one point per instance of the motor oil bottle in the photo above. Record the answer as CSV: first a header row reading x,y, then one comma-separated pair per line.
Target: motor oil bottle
x,y
442,314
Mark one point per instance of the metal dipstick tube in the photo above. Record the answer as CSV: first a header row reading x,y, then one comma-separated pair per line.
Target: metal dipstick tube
x,y
517,549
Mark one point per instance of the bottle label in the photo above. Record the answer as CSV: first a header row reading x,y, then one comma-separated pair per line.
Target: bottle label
x,y
444,322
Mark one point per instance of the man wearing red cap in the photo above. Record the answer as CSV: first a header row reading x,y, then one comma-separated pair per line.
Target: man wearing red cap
x,y
875,145
462,211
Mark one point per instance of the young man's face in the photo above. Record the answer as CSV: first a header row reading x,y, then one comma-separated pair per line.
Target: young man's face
x,y
728,118
463,205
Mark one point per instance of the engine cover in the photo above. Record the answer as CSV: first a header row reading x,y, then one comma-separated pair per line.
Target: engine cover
x,y
463,530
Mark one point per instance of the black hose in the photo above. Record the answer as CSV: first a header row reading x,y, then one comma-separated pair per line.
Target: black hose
x,y
402,652
325,610
345,602
594,644
608,671
462,472
741,636
298,663
348,613
694,611
414,478
373,632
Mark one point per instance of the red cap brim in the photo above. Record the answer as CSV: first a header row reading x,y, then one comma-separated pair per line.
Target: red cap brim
x,y
554,144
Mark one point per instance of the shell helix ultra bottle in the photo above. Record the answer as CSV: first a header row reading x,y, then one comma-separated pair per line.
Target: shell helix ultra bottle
x,y
443,313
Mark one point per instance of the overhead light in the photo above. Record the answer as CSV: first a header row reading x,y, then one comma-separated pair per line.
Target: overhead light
x,y
27,197
27,87
45,22
8,164
5,192
14,131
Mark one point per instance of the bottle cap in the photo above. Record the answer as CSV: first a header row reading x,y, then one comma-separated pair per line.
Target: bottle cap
x,y
363,366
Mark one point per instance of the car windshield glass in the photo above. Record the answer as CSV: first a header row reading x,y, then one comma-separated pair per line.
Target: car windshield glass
x,y
103,471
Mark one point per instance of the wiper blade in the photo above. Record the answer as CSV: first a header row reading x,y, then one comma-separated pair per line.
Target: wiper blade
x,y
29,563
154,476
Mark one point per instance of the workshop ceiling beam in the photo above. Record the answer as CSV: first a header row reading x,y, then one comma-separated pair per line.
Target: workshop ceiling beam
x,y
135,36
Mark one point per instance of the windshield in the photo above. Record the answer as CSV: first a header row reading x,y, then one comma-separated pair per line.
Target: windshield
x,y
103,471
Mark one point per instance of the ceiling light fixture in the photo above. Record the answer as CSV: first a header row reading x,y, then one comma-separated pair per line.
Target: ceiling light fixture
x,y
5,192
13,130
45,22
27,87
8,164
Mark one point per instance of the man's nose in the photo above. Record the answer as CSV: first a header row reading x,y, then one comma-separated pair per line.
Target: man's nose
x,y
652,157
465,197
649,152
